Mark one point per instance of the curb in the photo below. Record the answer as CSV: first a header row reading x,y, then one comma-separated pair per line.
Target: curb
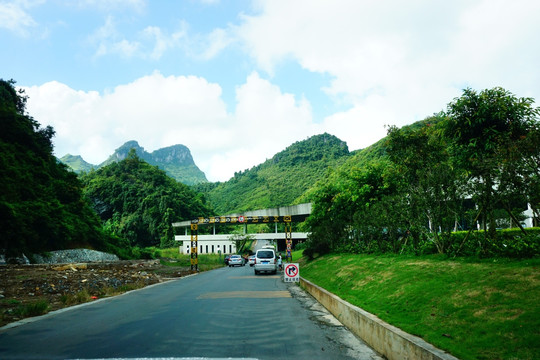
x,y
386,339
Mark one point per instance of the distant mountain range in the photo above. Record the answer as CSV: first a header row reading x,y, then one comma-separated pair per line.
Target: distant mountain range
x,y
285,179
175,160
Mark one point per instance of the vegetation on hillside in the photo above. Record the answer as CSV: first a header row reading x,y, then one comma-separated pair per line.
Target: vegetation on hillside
x,y
279,181
76,163
41,203
474,309
138,202
479,161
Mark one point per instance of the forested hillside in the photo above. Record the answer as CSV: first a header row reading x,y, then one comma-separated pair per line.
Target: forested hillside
x,y
41,203
478,161
138,202
279,181
77,163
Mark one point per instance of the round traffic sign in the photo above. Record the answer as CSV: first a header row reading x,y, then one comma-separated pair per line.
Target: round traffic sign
x,y
291,270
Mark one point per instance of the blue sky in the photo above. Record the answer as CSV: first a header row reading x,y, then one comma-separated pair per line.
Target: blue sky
x,y
238,81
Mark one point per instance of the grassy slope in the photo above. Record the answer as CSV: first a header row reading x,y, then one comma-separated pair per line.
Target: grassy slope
x,y
475,309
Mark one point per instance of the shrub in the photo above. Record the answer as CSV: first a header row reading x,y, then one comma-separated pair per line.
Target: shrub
x,y
508,243
33,309
78,298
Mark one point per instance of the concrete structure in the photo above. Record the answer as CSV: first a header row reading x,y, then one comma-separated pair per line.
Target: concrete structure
x,y
214,244
387,340
221,243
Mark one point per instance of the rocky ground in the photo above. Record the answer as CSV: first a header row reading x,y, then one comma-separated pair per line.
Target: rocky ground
x,y
30,290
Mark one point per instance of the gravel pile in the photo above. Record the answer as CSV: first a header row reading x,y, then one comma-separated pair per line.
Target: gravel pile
x,y
74,256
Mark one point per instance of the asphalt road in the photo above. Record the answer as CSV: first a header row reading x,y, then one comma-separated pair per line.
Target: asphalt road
x,y
224,313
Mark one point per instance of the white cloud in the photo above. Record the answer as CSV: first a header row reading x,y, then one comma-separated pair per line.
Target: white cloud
x,y
160,111
150,43
14,16
265,121
389,63
215,42
397,62
152,109
110,5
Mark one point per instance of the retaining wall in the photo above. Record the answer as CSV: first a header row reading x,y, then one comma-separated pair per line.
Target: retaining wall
x,y
384,338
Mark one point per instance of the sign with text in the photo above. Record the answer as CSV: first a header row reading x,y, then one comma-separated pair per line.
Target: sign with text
x,y
291,273
242,219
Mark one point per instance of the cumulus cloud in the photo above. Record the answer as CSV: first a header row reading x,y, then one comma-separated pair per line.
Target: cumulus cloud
x,y
387,63
395,62
160,111
265,121
152,109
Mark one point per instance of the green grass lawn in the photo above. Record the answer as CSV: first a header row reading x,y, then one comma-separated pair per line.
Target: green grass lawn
x,y
474,309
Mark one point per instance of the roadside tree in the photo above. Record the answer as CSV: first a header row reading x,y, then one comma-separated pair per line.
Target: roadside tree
x,y
488,133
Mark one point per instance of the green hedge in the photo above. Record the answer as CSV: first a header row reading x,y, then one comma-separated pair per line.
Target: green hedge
x,y
511,243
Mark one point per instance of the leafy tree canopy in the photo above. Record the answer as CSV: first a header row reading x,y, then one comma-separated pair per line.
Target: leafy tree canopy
x,y
139,202
41,202
413,189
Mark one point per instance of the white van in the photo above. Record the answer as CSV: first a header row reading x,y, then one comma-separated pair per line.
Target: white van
x,y
265,260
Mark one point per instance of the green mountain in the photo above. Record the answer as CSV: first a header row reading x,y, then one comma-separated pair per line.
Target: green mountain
x,y
279,181
77,163
175,160
139,202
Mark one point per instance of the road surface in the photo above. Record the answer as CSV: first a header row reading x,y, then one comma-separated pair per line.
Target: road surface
x,y
224,313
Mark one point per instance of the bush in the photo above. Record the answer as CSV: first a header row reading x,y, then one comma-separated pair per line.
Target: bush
x,y
33,309
148,253
508,243
78,298
514,244
316,247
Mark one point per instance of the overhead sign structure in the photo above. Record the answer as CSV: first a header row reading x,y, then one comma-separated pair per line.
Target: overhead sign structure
x,y
241,219
291,273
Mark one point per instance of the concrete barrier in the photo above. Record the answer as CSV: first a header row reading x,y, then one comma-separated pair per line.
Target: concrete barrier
x,y
384,338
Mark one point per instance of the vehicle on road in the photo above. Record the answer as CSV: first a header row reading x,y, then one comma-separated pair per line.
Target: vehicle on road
x,y
227,259
251,260
236,260
265,260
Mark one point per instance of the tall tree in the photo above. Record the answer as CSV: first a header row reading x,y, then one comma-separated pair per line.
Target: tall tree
x,y
484,128
431,183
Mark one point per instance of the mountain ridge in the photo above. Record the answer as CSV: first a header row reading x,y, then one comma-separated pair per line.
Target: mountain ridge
x,y
280,180
175,160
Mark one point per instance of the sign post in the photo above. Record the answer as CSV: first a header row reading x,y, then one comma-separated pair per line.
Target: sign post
x,y
194,257
288,237
291,273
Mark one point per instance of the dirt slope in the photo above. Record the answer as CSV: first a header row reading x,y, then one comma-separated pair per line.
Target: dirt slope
x,y
30,290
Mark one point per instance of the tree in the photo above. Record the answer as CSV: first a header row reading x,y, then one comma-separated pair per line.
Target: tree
x,y
240,241
354,211
139,202
41,203
430,181
486,131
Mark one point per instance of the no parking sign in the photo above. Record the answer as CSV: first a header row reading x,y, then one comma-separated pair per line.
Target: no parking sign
x,y
291,273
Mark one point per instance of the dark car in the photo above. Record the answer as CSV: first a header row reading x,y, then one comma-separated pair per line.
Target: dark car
x,y
227,259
